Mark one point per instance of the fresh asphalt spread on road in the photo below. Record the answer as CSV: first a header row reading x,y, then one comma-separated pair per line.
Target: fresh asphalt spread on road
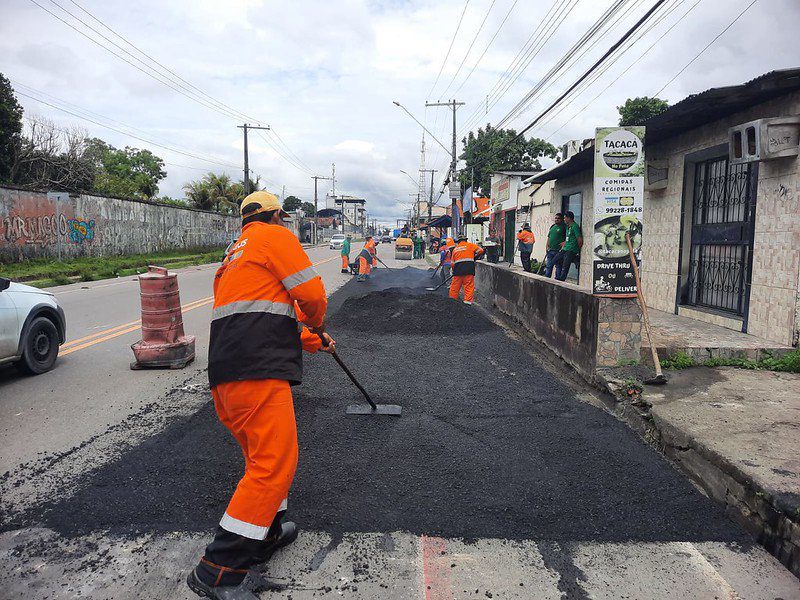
x,y
490,445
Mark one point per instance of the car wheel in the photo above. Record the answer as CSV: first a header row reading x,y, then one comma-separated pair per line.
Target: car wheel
x,y
40,347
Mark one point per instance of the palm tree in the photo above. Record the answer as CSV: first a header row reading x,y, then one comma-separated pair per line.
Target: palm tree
x,y
199,194
222,191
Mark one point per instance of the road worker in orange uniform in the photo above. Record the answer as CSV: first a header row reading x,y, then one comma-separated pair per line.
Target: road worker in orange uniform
x,y
373,250
365,259
265,286
464,254
526,240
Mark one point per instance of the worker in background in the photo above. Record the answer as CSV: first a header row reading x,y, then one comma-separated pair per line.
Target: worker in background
x,y
263,289
464,255
365,261
445,262
346,254
373,250
526,240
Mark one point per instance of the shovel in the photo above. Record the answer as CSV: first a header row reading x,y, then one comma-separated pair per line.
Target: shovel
x,y
433,289
659,379
383,263
392,410
436,270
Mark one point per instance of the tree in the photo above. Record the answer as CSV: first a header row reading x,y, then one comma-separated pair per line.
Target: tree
x,y
308,209
636,111
10,129
291,203
495,150
129,173
199,194
51,158
224,194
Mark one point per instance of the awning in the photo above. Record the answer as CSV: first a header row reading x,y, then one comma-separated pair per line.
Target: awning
x,y
441,222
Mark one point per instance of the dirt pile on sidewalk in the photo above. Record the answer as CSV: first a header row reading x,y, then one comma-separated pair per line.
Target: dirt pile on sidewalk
x,y
393,311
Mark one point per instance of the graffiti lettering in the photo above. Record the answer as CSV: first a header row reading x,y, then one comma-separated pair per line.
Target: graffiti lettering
x,y
40,230
80,230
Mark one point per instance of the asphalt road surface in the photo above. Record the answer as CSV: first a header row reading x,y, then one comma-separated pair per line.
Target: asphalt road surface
x,y
501,480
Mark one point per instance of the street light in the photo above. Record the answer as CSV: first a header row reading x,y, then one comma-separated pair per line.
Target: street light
x,y
416,183
446,149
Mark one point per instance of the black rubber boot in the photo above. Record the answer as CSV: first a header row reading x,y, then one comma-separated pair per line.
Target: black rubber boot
x,y
246,590
280,534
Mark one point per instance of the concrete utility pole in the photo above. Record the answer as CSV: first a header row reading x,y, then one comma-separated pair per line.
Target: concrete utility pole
x,y
454,105
316,178
244,129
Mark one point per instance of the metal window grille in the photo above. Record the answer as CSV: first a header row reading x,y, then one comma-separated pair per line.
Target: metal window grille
x,y
721,245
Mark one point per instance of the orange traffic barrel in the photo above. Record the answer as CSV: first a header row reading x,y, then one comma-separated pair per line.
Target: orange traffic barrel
x,y
163,342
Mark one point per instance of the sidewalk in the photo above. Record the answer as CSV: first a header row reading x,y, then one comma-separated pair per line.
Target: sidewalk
x,y
735,432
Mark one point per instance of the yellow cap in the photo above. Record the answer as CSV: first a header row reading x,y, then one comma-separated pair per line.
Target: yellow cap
x,y
265,201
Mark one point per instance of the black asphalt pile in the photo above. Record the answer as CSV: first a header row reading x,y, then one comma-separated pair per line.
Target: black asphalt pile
x,y
393,311
490,444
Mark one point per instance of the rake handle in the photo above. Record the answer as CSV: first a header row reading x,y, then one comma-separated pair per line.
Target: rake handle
x,y
643,304
349,374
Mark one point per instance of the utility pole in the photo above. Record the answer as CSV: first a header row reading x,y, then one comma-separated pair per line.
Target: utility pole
x,y
316,178
454,105
244,128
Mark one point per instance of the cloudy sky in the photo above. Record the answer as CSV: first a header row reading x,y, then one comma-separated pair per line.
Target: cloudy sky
x,y
324,73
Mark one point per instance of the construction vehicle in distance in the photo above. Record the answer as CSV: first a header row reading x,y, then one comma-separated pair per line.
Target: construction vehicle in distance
x,y
403,248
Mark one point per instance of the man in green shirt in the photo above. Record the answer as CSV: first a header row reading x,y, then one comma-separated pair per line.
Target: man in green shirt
x,y
555,237
346,254
570,247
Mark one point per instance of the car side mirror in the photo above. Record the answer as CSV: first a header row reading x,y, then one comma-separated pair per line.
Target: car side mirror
x,y
4,283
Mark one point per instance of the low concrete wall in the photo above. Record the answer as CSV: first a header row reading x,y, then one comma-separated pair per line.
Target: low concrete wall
x,y
57,225
586,331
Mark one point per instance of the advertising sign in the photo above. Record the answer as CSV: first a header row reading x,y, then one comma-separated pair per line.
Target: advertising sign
x,y
619,165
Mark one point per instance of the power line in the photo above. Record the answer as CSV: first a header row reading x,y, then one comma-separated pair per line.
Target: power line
x,y
579,46
182,86
486,49
469,48
624,72
633,29
171,149
446,56
719,35
551,22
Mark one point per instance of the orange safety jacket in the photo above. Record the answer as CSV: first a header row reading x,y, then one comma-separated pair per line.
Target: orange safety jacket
x,y
526,240
446,256
464,255
365,254
263,288
370,245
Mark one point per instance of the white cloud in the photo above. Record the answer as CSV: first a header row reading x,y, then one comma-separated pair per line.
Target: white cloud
x,y
324,74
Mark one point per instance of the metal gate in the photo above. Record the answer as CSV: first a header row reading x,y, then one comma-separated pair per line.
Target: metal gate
x,y
723,217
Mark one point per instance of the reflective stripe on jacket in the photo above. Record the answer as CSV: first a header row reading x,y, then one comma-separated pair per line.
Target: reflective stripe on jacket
x,y
464,255
261,291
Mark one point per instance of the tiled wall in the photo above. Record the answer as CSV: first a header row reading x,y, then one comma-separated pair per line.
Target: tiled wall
x,y
776,252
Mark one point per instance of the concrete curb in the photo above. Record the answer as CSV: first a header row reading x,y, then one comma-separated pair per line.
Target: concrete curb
x,y
764,513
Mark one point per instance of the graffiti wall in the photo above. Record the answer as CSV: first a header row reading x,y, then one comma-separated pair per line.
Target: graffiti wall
x,y
56,225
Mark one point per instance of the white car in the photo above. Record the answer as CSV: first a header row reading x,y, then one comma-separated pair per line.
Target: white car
x,y
337,239
32,327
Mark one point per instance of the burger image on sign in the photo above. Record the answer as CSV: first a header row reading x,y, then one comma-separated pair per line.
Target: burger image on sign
x,y
621,150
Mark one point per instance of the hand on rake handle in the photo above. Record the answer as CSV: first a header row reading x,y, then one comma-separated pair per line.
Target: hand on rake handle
x,y
328,343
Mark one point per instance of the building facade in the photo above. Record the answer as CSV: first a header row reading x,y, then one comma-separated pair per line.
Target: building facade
x,y
722,236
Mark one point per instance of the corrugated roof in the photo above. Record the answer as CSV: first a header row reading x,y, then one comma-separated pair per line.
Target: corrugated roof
x,y
691,112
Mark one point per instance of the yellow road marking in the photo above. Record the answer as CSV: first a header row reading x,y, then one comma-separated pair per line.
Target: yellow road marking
x,y
112,332
128,328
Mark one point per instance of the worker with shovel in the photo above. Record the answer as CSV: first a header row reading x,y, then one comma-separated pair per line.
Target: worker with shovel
x,y
365,261
464,255
445,261
261,292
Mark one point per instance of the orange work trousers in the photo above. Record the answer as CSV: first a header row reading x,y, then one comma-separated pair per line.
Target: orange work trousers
x,y
345,262
465,281
260,415
364,268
